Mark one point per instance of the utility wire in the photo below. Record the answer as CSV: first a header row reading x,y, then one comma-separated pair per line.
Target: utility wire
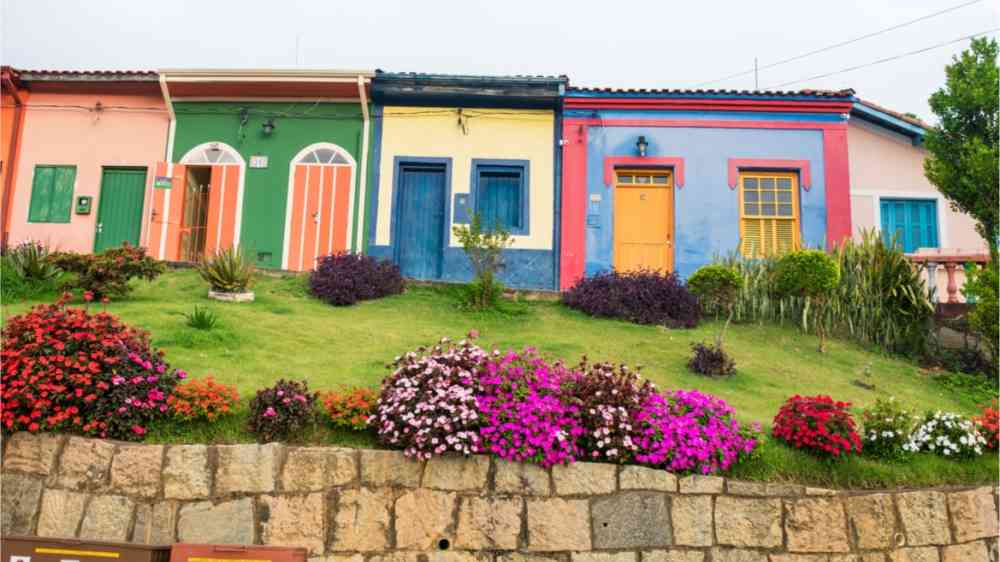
x,y
837,45
886,59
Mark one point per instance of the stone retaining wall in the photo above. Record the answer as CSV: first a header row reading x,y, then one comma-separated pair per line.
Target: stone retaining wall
x,y
348,505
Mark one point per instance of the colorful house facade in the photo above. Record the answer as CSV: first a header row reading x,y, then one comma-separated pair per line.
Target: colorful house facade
x,y
89,142
670,179
273,161
452,146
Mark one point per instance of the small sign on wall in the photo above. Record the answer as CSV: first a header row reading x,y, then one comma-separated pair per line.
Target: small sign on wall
x,y
258,161
162,182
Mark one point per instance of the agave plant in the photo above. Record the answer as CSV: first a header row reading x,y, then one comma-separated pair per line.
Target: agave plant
x,y
201,318
30,260
229,270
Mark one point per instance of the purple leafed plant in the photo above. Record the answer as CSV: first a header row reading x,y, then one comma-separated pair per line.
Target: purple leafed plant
x,y
643,297
343,279
610,399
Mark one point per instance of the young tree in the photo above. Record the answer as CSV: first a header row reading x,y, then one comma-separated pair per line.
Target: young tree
x,y
812,275
717,286
484,248
963,158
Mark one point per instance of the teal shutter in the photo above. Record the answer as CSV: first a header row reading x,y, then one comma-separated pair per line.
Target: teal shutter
x,y
500,197
41,194
52,194
912,222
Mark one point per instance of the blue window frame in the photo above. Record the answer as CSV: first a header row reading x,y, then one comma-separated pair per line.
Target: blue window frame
x,y
500,194
913,222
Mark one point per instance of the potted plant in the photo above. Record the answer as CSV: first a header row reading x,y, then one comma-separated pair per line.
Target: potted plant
x,y
229,273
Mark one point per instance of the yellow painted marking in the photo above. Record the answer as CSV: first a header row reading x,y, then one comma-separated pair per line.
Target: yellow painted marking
x,y
72,551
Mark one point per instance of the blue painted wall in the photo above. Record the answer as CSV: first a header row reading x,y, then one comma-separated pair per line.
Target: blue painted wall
x,y
706,210
525,269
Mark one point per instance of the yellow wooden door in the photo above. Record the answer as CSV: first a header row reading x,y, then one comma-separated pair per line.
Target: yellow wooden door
x,y
644,220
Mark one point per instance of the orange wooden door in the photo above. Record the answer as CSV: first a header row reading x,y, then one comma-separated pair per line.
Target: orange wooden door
x,y
644,221
223,204
317,214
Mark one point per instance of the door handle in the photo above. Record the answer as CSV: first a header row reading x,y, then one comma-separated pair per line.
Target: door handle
x,y
100,227
316,217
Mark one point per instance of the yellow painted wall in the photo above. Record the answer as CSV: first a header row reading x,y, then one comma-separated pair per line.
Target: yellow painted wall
x,y
489,133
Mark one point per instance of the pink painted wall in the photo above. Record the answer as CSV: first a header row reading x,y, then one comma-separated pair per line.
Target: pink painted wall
x,y
89,140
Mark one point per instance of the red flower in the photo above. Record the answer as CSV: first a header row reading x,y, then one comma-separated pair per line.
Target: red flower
x,y
819,424
88,296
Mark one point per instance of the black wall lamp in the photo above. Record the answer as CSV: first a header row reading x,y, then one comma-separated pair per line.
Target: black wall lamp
x,y
641,144
268,127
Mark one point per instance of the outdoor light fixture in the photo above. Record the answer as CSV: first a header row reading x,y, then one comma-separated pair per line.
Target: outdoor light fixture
x,y
268,127
641,144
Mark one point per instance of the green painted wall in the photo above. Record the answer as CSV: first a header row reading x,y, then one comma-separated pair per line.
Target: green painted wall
x,y
297,125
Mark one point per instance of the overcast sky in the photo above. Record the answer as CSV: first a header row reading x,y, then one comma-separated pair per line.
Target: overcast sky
x,y
634,43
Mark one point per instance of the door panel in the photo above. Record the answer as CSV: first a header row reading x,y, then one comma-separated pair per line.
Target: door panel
x,y
318,214
420,221
643,228
119,214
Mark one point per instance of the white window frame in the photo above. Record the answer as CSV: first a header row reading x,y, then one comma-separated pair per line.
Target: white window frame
x,y
878,195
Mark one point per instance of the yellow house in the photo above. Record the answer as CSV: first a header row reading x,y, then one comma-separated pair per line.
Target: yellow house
x,y
452,146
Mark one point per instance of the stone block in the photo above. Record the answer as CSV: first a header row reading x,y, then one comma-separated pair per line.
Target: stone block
x,y
673,555
973,514
423,517
136,469
584,478
872,520
720,554
915,554
246,469
294,521
85,464
801,558
338,558
816,525
155,523
925,518
186,474
762,489
631,520
820,491
558,524
968,552
603,557
19,502
224,523
32,453
691,517
488,523
389,468
313,469
108,518
458,473
522,557
521,478
748,522
643,478
698,484
362,522
60,513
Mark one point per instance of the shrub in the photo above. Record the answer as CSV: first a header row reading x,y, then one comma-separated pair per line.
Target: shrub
x,y
808,274
819,425
427,405
281,411
717,287
886,428
527,413
68,370
711,360
343,279
203,399
30,260
687,431
983,285
643,297
610,399
988,421
484,248
107,274
350,408
201,318
229,270
946,434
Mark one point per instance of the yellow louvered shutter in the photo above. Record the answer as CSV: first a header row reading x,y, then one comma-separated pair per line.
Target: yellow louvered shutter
x,y
769,213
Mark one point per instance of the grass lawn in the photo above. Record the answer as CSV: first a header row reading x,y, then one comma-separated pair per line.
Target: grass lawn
x,y
287,334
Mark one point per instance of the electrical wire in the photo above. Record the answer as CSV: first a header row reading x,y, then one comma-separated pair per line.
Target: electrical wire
x,y
837,45
886,59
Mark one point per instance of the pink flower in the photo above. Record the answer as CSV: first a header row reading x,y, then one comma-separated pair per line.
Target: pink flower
x,y
117,380
181,374
269,412
138,430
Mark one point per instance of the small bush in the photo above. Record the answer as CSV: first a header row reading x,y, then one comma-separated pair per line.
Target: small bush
x,y
716,286
427,406
983,285
203,399
30,260
711,360
819,425
643,297
484,247
946,434
988,421
229,270
201,318
343,279
349,408
281,411
812,275
886,428
107,274
610,399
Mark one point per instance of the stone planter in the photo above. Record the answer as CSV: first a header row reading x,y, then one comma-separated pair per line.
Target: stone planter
x,y
246,296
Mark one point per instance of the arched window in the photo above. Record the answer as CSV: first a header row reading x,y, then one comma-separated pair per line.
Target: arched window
x,y
323,153
212,153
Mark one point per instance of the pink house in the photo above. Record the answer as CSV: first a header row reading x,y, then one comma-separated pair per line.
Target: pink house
x,y
88,150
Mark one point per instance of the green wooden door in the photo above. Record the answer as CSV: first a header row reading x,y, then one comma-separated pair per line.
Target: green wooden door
x,y
119,216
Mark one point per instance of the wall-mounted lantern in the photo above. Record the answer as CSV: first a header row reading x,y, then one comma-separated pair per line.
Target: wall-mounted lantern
x,y
268,127
641,144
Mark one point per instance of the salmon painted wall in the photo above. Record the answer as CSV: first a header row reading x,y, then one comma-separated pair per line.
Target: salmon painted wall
x,y
90,140
8,115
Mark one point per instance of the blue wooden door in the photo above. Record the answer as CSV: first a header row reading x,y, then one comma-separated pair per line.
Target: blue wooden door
x,y
420,221
913,223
